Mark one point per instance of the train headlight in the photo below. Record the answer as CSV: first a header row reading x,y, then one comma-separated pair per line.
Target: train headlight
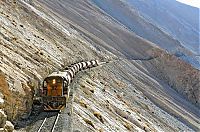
x,y
54,81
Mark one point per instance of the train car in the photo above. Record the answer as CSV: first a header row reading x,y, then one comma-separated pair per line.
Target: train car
x,y
55,89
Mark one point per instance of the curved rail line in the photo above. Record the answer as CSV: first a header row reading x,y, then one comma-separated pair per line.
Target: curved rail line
x,y
55,87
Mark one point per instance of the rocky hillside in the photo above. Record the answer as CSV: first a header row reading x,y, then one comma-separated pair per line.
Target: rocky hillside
x,y
181,21
142,88
169,24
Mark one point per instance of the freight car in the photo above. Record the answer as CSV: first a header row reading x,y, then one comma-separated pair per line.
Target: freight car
x,y
55,89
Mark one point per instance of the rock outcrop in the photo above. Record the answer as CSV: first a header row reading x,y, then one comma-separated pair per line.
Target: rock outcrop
x,y
5,125
9,127
181,76
1,100
3,118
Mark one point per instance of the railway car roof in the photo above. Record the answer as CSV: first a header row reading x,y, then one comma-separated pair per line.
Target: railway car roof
x,y
58,74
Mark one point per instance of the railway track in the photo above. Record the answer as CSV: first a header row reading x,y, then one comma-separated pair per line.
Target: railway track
x,y
49,123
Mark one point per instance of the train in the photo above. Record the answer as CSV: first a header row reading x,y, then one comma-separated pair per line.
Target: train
x,y
55,87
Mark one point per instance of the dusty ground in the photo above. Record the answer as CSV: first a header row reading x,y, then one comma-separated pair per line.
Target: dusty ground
x,y
151,90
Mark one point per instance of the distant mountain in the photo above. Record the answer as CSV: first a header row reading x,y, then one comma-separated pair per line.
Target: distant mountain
x,y
178,20
169,24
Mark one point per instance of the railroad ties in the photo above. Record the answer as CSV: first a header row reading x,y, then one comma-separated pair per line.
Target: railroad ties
x,y
50,122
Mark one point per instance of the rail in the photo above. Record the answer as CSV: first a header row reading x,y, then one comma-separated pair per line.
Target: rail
x,y
49,122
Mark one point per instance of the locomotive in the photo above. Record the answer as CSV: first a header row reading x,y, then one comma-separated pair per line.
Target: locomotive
x,y
55,87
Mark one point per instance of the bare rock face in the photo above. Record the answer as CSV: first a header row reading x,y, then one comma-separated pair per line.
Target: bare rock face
x,y
4,124
2,130
1,101
3,118
12,100
9,126
178,74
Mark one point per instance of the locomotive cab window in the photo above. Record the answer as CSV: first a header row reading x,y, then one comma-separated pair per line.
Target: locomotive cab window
x,y
54,86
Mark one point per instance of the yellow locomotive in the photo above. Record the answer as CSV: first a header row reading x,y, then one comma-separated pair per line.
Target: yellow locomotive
x,y
55,89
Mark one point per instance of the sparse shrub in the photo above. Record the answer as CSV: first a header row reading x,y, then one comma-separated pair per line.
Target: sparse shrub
x,y
87,92
14,24
83,86
41,53
119,97
98,115
14,39
102,83
128,126
76,99
14,1
88,122
92,90
83,104
126,102
89,82
144,128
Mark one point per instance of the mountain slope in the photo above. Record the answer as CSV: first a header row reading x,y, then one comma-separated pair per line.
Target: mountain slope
x,y
179,20
166,23
127,94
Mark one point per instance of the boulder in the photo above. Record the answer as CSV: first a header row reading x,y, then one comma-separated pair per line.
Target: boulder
x,y
3,118
1,95
9,126
2,130
1,101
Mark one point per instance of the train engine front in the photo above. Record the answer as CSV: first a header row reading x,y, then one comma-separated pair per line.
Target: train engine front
x,y
55,91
